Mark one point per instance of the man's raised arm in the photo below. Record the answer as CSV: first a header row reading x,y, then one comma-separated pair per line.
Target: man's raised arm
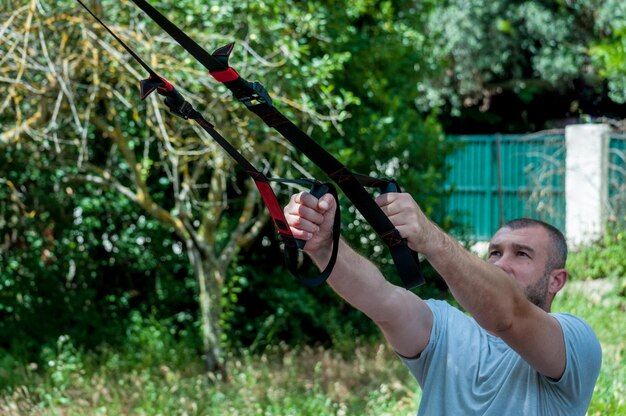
x,y
493,294
403,317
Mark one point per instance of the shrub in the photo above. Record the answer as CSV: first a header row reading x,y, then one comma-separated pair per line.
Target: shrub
x,y
605,258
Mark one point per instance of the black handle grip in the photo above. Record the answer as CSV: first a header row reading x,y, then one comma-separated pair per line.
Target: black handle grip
x,y
390,186
319,189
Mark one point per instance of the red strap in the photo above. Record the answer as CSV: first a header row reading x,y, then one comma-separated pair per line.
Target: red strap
x,y
225,76
167,87
273,207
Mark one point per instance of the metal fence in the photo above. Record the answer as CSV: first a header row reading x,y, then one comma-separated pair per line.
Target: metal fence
x,y
617,178
496,178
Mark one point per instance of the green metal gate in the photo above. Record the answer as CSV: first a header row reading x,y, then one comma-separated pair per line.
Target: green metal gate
x,y
496,178
617,178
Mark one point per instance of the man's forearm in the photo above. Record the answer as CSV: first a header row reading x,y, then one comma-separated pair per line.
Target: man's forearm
x,y
358,281
404,319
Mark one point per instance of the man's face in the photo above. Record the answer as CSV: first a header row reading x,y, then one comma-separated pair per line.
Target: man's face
x,y
524,253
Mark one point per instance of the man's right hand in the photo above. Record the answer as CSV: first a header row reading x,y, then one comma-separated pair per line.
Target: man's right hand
x,y
311,219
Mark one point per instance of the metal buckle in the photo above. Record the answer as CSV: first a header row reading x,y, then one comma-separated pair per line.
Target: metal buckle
x,y
258,96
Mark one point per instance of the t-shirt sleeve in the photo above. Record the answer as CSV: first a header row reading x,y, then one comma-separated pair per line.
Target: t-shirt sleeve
x,y
583,359
419,366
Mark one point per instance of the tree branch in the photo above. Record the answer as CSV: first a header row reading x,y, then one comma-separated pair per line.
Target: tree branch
x,y
141,195
247,227
15,131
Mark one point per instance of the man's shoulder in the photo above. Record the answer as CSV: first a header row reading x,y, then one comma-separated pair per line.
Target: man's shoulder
x,y
579,335
445,313
584,359
574,323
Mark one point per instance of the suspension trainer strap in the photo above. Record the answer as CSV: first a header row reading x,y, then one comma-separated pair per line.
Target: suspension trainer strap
x,y
256,98
181,108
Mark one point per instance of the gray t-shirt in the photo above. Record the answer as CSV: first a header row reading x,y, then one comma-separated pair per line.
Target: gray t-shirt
x,y
466,371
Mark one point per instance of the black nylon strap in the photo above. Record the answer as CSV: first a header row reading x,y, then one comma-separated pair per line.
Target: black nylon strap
x,y
181,37
180,107
256,99
405,259
254,96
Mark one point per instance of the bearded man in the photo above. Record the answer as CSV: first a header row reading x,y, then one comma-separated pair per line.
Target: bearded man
x,y
510,355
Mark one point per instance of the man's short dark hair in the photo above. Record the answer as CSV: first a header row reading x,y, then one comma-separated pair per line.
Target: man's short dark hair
x,y
558,255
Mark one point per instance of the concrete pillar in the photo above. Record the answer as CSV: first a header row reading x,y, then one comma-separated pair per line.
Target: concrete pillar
x,y
586,186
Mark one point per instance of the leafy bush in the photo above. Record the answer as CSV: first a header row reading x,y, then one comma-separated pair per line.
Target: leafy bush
x,y
604,258
76,260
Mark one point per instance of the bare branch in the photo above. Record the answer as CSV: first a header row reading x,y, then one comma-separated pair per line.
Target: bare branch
x,y
13,133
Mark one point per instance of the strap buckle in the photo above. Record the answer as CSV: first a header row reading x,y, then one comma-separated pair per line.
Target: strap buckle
x,y
179,106
256,95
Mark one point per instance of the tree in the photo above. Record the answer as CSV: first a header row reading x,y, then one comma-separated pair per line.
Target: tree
x,y
76,259
346,73
513,66
71,96
608,52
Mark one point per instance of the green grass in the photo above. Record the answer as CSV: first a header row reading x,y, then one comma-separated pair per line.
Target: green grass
x,y
282,381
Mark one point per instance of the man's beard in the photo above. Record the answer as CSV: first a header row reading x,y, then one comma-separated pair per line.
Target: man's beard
x,y
538,293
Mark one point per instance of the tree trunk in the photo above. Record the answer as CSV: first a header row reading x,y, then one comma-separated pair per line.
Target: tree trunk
x,y
210,311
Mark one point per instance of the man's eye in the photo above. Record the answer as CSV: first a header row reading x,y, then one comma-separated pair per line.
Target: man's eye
x,y
494,253
522,254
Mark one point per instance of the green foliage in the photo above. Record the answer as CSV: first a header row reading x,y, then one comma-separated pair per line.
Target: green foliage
x,y
610,57
608,53
65,364
279,381
108,260
526,56
268,306
81,255
605,258
148,351
150,342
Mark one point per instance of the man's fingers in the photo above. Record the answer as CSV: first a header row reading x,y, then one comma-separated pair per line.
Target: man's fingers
x,y
387,198
306,199
302,223
307,216
322,204
303,213
326,202
300,234
389,203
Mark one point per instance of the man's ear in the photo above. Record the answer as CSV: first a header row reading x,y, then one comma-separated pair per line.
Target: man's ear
x,y
558,277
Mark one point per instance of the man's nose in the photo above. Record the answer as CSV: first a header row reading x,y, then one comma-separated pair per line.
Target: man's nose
x,y
504,263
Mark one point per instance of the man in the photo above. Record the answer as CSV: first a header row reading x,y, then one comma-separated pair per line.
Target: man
x,y
511,357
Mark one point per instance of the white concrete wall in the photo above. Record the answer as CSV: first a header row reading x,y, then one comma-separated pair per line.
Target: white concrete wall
x,y
586,187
